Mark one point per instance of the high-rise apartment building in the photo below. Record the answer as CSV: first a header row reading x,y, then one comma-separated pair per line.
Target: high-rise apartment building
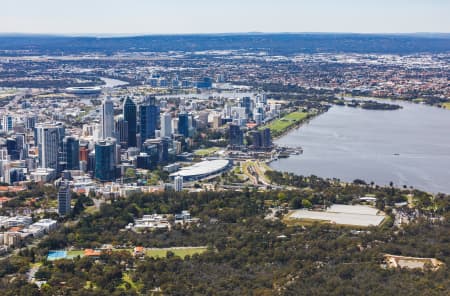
x,y
64,198
178,183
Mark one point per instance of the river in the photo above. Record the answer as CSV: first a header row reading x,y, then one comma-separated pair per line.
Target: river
x,y
207,94
409,146
111,83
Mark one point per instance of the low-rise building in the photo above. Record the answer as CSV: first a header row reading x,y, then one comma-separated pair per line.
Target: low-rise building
x,y
8,222
154,221
171,168
48,224
185,218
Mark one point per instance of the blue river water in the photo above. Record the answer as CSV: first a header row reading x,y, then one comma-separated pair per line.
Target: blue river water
x,y
409,146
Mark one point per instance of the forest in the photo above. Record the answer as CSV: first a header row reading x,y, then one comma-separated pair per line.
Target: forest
x,y
247,254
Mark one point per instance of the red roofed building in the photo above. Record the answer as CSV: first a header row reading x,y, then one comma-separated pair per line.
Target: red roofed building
x,y
92,253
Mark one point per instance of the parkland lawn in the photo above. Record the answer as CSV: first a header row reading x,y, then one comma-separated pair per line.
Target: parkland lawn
x,y
278,126
180,252
206,151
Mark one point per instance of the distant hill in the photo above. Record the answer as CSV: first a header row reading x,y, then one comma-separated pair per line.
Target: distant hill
x,y
282,43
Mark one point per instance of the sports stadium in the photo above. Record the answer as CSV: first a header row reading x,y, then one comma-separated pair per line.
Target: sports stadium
x,y
84,90
203,169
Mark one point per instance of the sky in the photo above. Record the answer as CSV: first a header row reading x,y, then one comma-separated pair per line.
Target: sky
x,y
225,16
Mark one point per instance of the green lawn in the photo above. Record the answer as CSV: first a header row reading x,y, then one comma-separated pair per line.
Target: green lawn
x,y
206,151
278,126
161,253
73,254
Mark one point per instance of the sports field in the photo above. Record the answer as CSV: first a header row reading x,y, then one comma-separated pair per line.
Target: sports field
x,y
180,252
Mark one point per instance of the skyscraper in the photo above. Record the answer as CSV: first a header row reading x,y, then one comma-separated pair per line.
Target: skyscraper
x,y
107,118
122,131
105,160
129,114
236,135
261,139
71,153
183,124
266,139
256,139
166,125
48,137
64,198
21,145
149,114
30,122
13,151
7,123
247,104
84,151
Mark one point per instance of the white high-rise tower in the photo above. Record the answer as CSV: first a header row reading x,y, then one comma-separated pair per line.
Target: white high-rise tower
x,y
166,125
178,183
107,118
64,198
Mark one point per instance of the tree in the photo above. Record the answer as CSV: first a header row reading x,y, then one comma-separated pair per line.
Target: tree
x,y
281,196
130,174
306,204
296,203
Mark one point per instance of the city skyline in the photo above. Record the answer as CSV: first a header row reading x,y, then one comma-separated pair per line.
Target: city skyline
x,y
224,148
175,17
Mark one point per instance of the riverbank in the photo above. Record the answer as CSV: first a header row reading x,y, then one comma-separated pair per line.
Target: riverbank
x,y
424,101
446,105
279,127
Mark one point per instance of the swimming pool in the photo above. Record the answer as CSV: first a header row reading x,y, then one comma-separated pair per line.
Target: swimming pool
x,y
55,255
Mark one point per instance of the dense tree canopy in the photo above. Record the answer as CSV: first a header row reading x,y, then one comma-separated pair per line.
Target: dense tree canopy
x,y
247,254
